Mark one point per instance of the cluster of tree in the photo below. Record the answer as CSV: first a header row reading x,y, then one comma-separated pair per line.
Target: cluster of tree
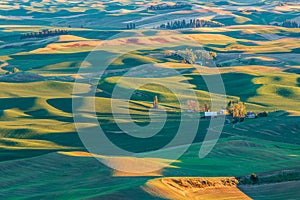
x,y
131,26
281,4
263,114
249,10
193,23
237,110
288,24
189,56
44,33
194,106
164,6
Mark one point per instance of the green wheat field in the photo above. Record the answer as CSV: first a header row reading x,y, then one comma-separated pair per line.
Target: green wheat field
x,y
254,46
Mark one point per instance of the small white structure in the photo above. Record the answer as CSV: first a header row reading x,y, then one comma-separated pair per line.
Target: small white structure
x,y
210,114
250,115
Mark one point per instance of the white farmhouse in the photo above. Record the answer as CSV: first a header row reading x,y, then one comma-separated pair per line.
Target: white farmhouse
x,y
210,114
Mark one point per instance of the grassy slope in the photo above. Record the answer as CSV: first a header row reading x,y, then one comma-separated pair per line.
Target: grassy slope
x,y
42,111
236,155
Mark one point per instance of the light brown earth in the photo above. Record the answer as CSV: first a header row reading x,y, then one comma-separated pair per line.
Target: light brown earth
x,y
131,166
180,188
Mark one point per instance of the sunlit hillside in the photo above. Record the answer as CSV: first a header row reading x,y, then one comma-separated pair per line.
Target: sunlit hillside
x,y
148,67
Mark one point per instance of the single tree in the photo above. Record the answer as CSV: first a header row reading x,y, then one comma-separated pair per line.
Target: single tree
x,y
205,107
15,70
155,102
213,55
254,178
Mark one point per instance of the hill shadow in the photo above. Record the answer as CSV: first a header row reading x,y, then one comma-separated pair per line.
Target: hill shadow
x,y
236,84
293,70
20,103
285,92
36,61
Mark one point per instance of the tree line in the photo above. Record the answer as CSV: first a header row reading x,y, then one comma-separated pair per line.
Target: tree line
x,y
192,23
131,26
178,5
44,33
